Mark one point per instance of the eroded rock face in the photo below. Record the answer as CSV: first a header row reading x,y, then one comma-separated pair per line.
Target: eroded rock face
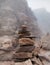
x,y
46,41
5,42
13,15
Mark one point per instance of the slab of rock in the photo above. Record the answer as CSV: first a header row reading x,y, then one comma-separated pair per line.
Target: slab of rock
x,y
46,62
26,41
28,62
25,49
23,55
45,40
36,61
7,63
5,56
45,54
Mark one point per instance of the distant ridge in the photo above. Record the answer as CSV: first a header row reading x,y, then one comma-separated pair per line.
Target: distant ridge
x,y
43,17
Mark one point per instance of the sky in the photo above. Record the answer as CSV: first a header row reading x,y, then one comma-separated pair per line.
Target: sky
x,y
36,4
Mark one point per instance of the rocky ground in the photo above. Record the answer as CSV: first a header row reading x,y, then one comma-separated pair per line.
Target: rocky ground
x,y
41,53
15,15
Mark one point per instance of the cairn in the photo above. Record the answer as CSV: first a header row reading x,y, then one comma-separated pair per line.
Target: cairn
x,y
26,45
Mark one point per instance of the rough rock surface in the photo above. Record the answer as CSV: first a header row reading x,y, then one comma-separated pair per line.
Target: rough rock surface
x,y
14,15
43,57
45,41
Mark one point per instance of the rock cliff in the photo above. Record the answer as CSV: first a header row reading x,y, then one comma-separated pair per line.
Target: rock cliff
x,y
13,14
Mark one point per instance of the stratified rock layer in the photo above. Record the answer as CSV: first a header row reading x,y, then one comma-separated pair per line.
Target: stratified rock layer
x,y
13,14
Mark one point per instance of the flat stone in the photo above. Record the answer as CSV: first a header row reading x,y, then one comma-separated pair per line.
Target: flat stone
x,y
23,55
28,62
26,49
7,63
26,41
